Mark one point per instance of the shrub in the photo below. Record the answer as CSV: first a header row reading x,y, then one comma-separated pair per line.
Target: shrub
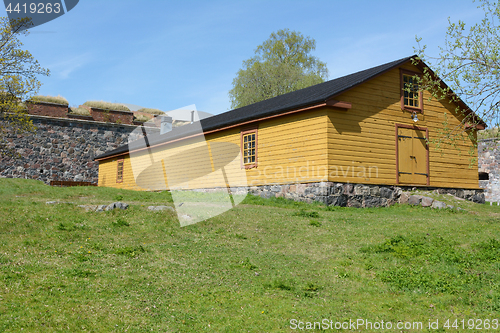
x,y
305,213
79,111
106,105
50,99
152,111
315,223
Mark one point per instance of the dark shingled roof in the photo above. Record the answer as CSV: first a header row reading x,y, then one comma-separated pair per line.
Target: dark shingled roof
x,y
312,95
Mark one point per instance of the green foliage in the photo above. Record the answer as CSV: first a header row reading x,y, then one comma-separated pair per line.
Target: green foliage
x,y
490,133
18,80
66,227
49,99
81,273
106,105
240,236
315,223
248,265
120,222
282,64
185,278
152,111
279,284
130,251
79,111
469,63
278,202
305,213
435,264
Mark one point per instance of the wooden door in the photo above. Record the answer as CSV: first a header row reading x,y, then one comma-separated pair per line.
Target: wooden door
x,y
412,156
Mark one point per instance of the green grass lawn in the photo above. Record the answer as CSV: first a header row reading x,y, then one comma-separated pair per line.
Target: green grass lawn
x,y
251,269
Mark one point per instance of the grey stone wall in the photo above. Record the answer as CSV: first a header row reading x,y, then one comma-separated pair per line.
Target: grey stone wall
x,y
61,149
489,163
354,195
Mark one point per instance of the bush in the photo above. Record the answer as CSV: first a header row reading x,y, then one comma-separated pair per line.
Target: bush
x,y
106,105
49,99
152,111
79,111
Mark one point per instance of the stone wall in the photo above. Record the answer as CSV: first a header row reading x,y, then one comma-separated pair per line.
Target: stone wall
x,y
353,195
62,149
489,166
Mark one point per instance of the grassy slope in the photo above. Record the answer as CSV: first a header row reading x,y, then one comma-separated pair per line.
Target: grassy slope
x,y
250,269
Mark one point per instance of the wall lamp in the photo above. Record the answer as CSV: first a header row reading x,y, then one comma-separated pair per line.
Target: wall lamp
x,y
414,116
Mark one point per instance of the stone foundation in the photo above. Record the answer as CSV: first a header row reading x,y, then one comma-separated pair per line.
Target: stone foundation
x,y
354,195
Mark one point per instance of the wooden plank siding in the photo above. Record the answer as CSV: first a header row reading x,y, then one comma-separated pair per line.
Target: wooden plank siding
x,y
291,149
364,137
356,145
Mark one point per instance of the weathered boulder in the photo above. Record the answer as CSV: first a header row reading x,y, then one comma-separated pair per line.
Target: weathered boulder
x,y
426,202
478,198
414,200
339,200
118,204
386,193
372,202
403,198
438,204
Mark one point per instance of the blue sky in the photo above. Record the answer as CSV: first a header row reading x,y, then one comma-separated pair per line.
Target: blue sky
x,y
170,54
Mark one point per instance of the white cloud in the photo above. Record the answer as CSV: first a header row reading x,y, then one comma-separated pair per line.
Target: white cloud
x,y
64,68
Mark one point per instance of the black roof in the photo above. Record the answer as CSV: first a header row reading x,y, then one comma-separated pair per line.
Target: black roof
x,y
312,95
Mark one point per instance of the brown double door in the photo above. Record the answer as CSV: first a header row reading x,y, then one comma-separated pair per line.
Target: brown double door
x,y
413,163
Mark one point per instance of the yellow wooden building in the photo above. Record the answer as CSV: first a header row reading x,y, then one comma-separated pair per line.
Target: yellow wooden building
x,y
357,129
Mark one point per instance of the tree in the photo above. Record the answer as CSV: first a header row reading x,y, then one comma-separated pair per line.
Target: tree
x,y
469,62
281,64
18,79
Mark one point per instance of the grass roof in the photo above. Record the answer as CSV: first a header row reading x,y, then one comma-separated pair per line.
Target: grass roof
x,y
152,111
141,118
79,111
106,105
50,99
